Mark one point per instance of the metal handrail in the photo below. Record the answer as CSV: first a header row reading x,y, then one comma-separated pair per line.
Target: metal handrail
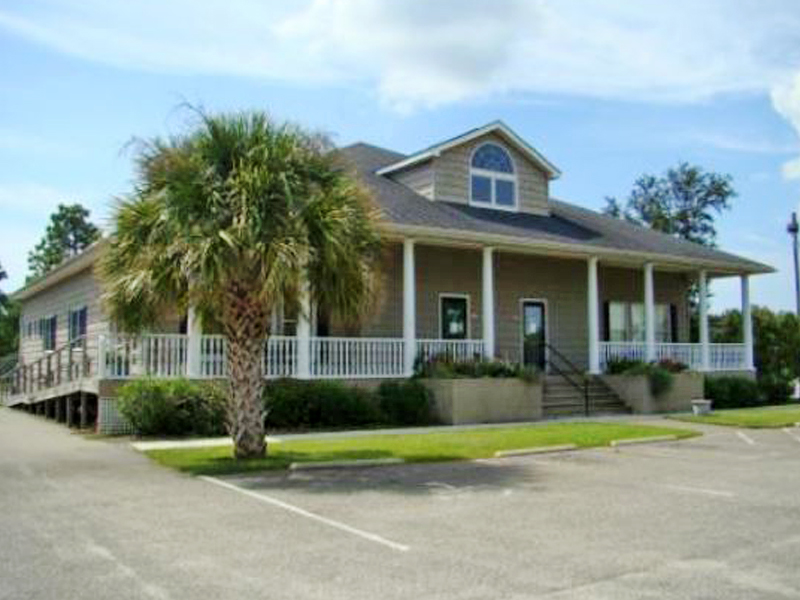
x,y
568,373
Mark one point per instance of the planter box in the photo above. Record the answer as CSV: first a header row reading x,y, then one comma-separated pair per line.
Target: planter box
x,y
701,407
485,400
634,390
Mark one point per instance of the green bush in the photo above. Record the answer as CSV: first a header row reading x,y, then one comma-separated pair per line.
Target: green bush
x,y
440,367
733,392
673,366
174,407
618,366
406,403
659,379
775,389
290,404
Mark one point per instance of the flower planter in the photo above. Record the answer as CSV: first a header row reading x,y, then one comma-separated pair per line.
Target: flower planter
x,y
701,407
634,390
485,400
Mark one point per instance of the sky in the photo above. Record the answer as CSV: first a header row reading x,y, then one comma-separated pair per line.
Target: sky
x,y
606,90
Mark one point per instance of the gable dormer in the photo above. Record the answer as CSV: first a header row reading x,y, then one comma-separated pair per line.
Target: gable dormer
x,y
489,167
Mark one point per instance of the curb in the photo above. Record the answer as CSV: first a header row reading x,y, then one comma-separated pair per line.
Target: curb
x,y
345,464
537,450
647,440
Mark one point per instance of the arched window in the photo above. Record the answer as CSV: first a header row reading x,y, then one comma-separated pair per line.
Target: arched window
x,y
493,181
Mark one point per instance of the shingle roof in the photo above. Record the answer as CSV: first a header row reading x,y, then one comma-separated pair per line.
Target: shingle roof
x,y
568,225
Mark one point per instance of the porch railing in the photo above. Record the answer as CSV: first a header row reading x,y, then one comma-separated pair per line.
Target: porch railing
x,y
722,357
353,358
451,349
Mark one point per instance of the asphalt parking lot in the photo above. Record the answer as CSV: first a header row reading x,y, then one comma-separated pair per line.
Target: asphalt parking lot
x,y
712,517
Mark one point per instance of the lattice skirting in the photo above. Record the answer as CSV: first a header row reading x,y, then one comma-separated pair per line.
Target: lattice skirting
x,y
109,419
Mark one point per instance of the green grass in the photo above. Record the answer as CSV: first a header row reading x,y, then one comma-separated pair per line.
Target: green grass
x,y
420,447
754,418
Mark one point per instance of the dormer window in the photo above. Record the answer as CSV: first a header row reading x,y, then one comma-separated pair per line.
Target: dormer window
x,y
493,182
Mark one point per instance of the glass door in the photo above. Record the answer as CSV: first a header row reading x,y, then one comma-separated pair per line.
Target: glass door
x,y
534,337
453,318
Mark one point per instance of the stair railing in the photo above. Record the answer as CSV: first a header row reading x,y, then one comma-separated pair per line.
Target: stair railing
x,y
561,365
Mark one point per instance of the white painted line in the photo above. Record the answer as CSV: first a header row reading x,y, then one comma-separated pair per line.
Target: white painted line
x,y
537,450
789,432
706,491
302,512
746,438
345,464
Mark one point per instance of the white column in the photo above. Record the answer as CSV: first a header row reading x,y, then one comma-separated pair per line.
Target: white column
x,y
593,314
747,324
649,314
304,333
705,354
194,336
409,307
487,302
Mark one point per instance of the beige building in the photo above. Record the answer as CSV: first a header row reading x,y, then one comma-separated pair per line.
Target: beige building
x,y
480,261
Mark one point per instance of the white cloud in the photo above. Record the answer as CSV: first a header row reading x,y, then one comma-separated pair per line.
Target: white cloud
x,y
786,100
739,143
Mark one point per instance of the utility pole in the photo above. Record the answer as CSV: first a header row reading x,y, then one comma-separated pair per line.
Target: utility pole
x,y
793,228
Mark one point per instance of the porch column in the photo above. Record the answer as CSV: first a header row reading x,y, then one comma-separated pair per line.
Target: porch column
x,y
593,320
649,314
409,307
487,302
705,351
747,324
194,335
304,333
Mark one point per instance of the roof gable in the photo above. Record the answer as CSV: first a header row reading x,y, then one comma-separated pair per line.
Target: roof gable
x,y
497,127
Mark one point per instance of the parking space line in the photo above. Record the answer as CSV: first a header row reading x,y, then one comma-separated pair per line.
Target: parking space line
x,y
308,514
746,438
695,490
789,432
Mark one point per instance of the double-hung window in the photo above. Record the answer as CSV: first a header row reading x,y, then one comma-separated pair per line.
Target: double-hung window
x,y
77,323
493,181
626,322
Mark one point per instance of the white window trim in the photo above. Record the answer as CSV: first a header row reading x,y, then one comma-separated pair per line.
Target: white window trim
x,y
542,301
492,176
443,295
629,322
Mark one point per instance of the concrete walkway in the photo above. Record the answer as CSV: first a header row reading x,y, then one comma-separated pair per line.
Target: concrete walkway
x,y
146,445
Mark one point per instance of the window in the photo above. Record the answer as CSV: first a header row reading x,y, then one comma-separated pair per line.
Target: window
x,y
625,322
47,332
454,317
492,178
77,323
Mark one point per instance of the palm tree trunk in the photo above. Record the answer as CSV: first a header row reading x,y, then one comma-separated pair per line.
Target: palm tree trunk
x,y
246,384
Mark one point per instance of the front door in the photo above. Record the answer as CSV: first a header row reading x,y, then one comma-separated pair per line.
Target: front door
x,y
454,316
533,333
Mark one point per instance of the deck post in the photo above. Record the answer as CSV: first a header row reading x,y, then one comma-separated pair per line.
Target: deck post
x,y
487,303
194,338
84,417
409,308
304,333
70,411
705,351
593,317
649,314
747,324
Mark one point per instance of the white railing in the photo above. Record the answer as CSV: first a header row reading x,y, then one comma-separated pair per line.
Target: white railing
x,y
722,357
151,355
280,358
456,350
353,358
726,357
213,357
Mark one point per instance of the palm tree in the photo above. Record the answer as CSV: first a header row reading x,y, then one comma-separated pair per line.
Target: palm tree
x,y
237,214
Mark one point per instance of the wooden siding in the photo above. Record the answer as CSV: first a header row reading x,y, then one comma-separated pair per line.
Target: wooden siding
x,y
419,178
451,173
80,290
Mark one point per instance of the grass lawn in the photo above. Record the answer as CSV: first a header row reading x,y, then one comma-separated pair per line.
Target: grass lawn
x,y
755,418
419,447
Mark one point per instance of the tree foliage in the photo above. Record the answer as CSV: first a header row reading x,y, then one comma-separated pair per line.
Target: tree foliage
x,y
9,322
236,215
682,202
67,234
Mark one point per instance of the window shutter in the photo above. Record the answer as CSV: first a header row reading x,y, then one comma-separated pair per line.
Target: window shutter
x,y
673,323
606,322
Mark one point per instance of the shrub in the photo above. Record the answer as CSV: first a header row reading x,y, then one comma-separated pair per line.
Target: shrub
x,y
659,379
290,404
774,388
732,392
618,366
174,407
673,366
406,403
441,367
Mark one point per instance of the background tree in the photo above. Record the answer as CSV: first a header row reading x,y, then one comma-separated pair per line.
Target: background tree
x,y
776,339
68,232
9,326
231,217
683,202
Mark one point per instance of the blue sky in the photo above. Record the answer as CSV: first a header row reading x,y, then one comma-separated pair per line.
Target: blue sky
x,y
606,90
